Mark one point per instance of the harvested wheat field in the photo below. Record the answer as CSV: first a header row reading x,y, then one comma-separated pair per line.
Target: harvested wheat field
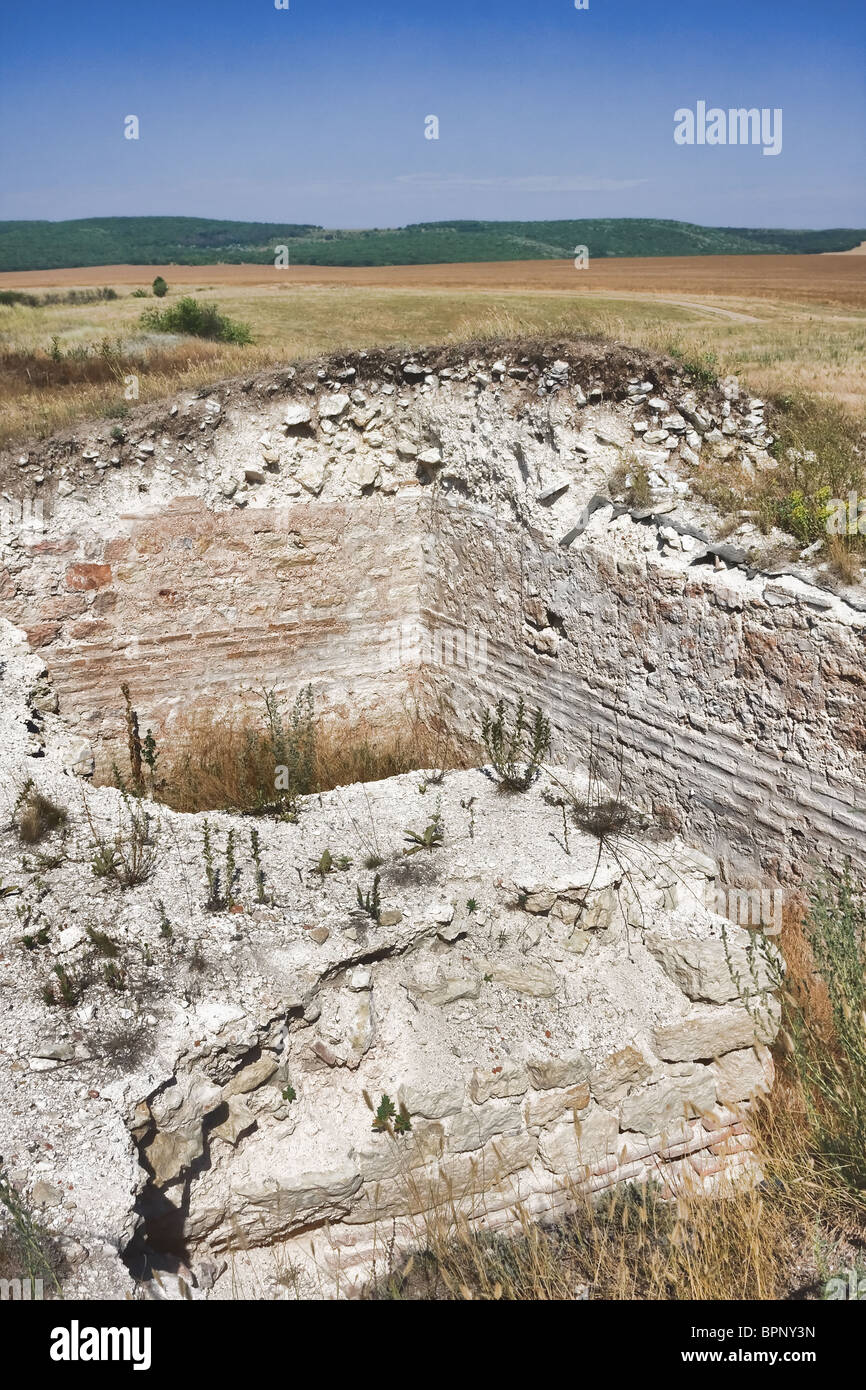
x,y
828,279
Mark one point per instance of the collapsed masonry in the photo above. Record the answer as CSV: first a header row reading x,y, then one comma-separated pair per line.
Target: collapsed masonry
x,y
549,1011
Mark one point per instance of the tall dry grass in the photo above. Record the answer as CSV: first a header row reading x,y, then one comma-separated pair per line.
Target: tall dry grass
x,y
779,1237
210,761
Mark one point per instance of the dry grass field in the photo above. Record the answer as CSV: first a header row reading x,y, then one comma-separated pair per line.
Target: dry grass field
x,y
829,279
781,323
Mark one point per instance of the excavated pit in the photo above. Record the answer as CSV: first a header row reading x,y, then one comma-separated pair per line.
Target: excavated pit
x,y
439,531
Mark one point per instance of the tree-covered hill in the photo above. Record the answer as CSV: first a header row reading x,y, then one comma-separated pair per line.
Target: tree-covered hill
x,y
205,241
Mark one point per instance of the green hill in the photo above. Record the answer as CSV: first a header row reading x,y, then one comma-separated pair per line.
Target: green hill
x,y
205,241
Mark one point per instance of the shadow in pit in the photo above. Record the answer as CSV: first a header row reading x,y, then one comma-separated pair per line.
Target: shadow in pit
x,y
159,1245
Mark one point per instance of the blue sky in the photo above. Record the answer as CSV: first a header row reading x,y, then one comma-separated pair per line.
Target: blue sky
x,y
316,113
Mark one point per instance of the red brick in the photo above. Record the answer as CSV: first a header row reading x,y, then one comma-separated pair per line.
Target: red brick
x,y
53,547
79,577
42,634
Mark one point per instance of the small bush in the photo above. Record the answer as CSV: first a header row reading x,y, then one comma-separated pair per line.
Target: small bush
x,y
129,856
197,321
159,287
515,753
37,816
801,514
821,454
702,367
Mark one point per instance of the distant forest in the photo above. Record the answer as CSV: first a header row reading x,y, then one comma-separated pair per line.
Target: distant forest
x,y
205,241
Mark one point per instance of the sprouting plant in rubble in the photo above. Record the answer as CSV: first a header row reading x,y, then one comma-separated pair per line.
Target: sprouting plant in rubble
x,y
231,869
258,873
31,941
220,887
129,856
215,900
327,863
67,991
389,1118
8,890
165,928
114,976
370,901
515,751
429,838
561,803
469,805
105,945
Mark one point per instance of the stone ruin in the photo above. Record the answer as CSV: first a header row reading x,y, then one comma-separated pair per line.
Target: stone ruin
x,y
553,1012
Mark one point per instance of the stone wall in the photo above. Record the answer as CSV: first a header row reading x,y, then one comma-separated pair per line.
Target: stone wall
x,y
309,526
196,609
737,703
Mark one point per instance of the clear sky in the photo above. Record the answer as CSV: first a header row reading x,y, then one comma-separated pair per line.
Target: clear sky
x,y
316,113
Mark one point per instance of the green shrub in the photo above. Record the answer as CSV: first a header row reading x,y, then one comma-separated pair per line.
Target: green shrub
x,y
800,514
820,449
159,287
703,367
196,321
515,753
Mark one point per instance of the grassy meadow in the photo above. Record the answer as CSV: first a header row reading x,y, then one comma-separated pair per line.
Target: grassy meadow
x,y
63,362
